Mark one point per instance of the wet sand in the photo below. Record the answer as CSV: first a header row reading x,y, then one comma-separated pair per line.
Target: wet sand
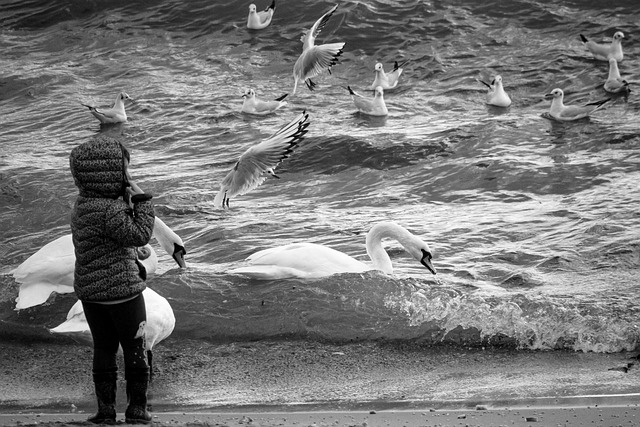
x,y
294,383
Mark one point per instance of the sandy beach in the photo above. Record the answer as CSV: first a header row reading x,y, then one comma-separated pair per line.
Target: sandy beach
x,y
300,383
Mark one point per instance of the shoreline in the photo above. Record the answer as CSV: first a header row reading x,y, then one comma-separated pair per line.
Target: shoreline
x,y
623,415
298,383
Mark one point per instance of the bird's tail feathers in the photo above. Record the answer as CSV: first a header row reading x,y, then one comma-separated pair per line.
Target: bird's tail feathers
x,y
600,103
220,198
397,66
484,83
583,38
282,97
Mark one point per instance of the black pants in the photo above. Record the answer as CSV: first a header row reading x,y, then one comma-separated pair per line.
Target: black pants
x,y
114,325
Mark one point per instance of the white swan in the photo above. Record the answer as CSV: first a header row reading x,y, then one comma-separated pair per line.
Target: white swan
x,y
51,269
160,322
115,114
310,260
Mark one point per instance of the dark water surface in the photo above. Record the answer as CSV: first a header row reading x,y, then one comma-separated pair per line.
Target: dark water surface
x,y
534,224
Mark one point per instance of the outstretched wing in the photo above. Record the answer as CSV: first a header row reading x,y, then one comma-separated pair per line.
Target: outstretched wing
x,y
320,23
249,172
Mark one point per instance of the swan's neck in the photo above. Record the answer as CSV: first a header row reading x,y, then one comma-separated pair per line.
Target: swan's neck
x,y
379,257
166,237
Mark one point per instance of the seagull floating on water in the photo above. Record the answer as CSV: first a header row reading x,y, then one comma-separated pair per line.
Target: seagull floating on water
x,y
371,106
315,59
566,113
311,260
115,114
495,94
259,20
51,268
604,52
260,159
253,105
615,83
159,325
387,80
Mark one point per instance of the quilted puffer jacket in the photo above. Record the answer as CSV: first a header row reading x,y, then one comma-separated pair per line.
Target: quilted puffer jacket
x,y
106,230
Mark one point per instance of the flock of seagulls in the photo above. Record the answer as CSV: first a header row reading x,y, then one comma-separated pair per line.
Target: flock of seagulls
x,y
260,160
51,268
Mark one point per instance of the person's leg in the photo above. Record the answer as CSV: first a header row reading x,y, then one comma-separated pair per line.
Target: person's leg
x,y
105,369
132,318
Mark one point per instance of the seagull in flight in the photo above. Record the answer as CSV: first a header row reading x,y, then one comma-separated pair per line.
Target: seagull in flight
x,y
315,59
260,159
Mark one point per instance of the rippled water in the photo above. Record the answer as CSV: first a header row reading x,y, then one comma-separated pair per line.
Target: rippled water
x,y
533,223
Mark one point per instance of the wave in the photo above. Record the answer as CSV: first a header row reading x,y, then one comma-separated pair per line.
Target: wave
x,y
216,307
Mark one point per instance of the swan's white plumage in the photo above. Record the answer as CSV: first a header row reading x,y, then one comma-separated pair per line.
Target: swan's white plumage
x,y
160,321
51,268
48,270
310,260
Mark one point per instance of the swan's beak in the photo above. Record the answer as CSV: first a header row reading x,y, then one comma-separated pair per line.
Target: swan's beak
x,y
426,261
178,255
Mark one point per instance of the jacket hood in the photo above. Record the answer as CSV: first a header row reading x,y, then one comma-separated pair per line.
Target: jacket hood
x,y
98,166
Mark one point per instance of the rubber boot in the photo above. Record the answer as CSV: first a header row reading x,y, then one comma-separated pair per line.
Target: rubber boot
x,y
137,385
105,385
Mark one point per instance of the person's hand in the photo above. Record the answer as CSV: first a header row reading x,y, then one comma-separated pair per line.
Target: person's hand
x,y
134,189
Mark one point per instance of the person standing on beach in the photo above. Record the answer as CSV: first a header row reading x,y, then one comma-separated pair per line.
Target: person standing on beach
x,y
112,216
